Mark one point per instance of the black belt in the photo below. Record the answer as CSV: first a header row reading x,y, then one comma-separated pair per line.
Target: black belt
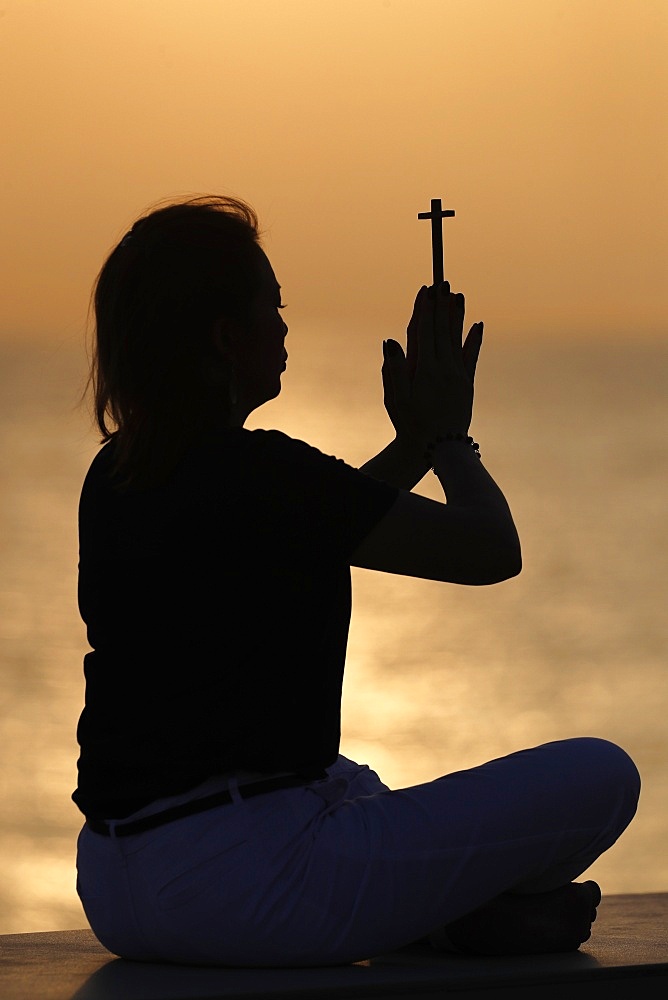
x,y
196,806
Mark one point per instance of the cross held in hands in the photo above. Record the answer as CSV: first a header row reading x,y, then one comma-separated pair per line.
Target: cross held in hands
x,y
437,214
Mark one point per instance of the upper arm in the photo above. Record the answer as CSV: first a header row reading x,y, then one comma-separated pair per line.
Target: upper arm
x,y
422,538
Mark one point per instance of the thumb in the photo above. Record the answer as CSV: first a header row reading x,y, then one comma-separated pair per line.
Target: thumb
x,y
471,350
395,373
393,351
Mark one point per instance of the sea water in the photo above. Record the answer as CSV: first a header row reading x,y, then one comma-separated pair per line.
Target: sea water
x,y
439,677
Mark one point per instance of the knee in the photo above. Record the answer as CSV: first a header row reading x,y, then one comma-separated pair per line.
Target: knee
x,y
613,760
611,767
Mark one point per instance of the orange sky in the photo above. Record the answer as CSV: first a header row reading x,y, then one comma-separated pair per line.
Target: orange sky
x,y
541,122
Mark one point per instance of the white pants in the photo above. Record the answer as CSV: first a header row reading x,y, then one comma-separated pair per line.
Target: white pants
x,y
344,869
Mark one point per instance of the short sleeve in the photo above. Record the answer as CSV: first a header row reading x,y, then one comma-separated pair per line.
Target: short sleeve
x,y
316,496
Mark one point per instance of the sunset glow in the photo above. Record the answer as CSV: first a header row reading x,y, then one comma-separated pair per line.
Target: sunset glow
x,y
540,123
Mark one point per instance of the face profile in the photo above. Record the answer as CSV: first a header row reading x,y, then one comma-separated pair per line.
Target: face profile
x,y
254,350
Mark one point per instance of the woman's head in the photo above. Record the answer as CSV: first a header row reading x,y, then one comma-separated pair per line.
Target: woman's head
x,y
173,305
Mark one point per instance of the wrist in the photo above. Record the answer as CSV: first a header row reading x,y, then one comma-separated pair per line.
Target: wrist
x,y
448,438
412,446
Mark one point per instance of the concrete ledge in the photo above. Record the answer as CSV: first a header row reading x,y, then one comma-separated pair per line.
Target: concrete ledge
x,y
627,957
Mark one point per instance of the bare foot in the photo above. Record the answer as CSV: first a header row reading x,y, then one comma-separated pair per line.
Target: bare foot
x,y
534,924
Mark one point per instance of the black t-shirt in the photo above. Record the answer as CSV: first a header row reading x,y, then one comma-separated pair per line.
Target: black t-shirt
x,y
217,608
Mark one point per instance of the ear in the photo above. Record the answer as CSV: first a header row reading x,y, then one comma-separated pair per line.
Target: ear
x,y
224,339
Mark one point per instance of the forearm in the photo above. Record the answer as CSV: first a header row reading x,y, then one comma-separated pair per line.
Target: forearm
x,y
468,486
400,464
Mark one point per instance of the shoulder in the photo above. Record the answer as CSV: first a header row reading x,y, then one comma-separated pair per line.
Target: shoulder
x,y
99,471
273,445
293,460
268,453
304,483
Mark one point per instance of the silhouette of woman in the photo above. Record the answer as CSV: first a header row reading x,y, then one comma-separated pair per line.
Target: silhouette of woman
x,y
222,825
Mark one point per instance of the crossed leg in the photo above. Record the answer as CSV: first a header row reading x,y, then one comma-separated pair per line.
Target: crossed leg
x,y
493,850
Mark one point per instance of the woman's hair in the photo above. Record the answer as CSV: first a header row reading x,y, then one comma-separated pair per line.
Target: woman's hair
x,y
182,267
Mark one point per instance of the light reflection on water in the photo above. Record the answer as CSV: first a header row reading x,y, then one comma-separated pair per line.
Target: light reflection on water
x,y
439,677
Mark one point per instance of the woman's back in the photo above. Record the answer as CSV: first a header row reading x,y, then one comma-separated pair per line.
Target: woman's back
x,y
217,606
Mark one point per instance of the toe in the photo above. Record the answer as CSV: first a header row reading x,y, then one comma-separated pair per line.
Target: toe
x,y
595,893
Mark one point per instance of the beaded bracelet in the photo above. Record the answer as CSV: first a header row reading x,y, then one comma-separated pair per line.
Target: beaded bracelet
x,y
449,436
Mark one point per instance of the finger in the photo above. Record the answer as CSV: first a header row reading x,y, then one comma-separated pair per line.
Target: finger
x,y
456,312
441,293
471,349
396,382
412,331
393,353
388,391
426,328
446,348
